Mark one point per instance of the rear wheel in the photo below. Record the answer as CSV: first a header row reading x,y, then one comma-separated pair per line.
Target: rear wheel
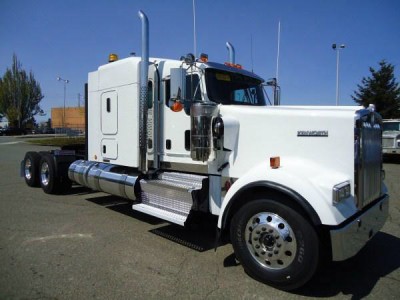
x,y
49,181
31,168
275,244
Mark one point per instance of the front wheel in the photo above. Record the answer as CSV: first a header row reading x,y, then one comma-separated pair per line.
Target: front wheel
x,y
275,244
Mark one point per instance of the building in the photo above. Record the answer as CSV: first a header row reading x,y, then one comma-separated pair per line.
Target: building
x,y
74,118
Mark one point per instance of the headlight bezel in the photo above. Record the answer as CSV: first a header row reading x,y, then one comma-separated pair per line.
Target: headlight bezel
x,y
340,192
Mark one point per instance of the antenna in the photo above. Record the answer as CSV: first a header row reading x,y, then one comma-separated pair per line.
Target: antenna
x,y
194,29
251,54
277,55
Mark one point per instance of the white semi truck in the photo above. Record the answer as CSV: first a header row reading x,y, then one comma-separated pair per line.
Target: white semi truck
x,y
188,137
391,137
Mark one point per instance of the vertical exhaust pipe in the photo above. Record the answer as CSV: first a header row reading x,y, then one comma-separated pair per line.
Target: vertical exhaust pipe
x,y
231,51
144,69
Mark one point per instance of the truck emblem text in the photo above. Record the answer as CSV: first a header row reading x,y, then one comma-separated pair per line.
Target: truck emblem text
x,y
312,133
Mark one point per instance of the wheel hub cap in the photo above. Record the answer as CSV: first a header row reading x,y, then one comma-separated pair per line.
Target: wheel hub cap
x,y
270,240
44,174
28,169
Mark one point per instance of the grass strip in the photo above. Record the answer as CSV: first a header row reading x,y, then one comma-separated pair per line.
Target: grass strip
x,y
58,141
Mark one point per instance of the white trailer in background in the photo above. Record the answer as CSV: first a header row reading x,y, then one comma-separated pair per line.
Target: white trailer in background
x,y
188,137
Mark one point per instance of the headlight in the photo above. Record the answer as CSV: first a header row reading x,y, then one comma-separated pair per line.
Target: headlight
x,y
341,191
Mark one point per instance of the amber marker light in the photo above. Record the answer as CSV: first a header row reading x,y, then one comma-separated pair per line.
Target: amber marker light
x,y
177,106
204,57
275,162
237,66
112,57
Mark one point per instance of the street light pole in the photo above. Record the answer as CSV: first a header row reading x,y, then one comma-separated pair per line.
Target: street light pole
x,y
337,49
65,93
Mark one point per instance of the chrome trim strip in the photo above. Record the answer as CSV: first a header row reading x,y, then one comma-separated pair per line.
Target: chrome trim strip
x,y
177,154
367,156
182,167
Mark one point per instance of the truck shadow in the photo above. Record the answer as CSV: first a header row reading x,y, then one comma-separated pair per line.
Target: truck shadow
x,y
199,236
357,276
195,239
124,207
391,159
78,190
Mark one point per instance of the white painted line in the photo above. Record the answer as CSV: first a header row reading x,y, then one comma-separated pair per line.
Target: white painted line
x,y
60,236
10,143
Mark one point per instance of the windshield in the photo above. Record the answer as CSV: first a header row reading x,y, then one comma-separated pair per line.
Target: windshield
x,y
233,88
391,126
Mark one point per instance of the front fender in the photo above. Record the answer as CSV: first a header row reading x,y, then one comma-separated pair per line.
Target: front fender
x,y
307,183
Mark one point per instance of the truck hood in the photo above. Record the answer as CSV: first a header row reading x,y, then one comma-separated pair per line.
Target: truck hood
x,y
323,135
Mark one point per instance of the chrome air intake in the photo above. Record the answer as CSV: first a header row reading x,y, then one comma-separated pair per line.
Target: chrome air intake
x,y
201,116
103,178
368,156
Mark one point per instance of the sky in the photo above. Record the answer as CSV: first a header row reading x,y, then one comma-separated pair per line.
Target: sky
x,y
70,38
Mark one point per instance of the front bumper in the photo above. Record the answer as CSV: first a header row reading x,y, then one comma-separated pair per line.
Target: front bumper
x,y
347,240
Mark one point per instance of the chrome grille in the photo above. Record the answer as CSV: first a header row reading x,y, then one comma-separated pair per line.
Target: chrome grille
x,y
388,142
368,157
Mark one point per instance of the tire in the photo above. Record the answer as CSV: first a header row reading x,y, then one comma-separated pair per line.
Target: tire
x,y
49,180
275,244
31,168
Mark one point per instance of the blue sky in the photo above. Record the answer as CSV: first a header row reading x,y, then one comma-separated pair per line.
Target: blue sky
x,y
73,37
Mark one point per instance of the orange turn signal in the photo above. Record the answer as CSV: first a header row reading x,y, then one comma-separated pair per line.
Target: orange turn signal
x,y
177,106
112,57
275,162
203,57
237,66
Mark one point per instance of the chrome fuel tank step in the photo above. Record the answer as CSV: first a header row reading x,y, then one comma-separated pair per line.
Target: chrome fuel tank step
x,y
170,196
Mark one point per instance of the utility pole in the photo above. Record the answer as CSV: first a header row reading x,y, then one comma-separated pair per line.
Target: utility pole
x,y
65,95
337,49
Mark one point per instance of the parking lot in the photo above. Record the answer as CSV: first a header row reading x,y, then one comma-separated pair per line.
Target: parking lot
x,y
90,245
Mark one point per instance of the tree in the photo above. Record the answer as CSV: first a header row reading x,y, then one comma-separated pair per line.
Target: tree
x,y
380,89
20,95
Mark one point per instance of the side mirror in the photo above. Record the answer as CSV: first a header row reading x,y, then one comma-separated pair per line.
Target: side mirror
x,y
178,84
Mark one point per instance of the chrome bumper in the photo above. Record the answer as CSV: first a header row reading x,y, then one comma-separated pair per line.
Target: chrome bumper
x,y
348,240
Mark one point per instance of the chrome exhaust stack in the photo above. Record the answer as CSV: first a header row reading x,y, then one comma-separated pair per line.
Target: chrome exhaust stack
x,y
144,78
231,51
103,178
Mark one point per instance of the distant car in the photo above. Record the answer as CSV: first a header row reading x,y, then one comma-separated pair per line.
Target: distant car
x,y
12,131
30,131
391,137
48,131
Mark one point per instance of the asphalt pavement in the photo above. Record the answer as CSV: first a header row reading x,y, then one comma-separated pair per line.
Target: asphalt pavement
x,y
86,245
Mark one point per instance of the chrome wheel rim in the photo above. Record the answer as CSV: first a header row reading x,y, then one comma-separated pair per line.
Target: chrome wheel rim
x,y
270,240
44,174
28,169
